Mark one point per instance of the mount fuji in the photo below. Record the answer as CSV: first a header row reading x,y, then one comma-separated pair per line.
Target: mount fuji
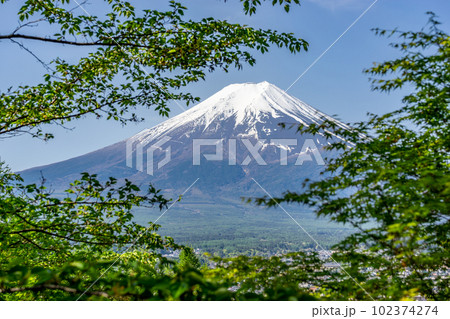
x,y
228,142
227,147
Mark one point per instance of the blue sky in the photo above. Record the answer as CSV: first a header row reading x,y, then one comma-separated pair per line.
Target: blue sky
x,y
335,85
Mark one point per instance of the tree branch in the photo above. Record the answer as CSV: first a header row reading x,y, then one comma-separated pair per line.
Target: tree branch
x,y
113,42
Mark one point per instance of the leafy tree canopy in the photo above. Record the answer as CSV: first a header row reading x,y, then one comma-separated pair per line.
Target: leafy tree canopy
x,y
83,244
136,58
392,180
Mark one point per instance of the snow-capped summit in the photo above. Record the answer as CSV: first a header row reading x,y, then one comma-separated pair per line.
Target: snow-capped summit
x,y
251,102
241,107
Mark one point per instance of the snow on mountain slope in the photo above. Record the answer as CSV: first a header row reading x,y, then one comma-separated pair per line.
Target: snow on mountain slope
x,y
246,104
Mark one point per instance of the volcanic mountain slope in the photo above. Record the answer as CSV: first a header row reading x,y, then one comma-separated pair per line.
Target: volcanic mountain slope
x,y
228,141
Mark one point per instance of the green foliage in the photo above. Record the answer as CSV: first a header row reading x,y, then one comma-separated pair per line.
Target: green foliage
x,y
392,180
284,277
188,259
95,217
135,59
251,5
254,278
53,247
